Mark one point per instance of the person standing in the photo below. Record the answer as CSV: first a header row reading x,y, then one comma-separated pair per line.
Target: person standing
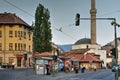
x,y
94,68
13,65
48,69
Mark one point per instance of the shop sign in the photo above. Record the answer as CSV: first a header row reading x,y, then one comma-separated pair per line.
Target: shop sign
x,y
39,61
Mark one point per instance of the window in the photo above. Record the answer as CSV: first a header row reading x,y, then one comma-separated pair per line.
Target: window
x,y
29,36
0,46
24,35
21,34
10,33
21,47
1,60
15,33
10,46
29,47
18,33
0,34
25,47
16,46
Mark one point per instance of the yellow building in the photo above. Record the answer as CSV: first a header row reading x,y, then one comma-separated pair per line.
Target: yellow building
x,y
15,40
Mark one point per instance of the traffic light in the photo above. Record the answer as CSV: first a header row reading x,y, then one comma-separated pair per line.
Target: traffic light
x,y
25,57
77,19
113,52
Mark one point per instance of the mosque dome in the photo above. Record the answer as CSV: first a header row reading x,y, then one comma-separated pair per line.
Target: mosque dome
x,y
83,41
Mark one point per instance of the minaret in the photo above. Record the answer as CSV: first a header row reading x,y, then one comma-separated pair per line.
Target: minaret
x,y
93,12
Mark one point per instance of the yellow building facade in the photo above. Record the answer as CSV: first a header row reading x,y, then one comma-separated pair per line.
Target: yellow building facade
x,y
15,40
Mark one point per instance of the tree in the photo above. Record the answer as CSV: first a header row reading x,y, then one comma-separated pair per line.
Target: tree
x,y
42,30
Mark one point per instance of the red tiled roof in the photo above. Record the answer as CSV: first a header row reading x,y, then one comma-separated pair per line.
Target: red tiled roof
x,y
89,57
76,56
69,56
82,58
71,53
9,18
44,54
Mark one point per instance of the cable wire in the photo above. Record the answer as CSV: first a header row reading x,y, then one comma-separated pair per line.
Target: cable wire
x,y
18,8
60,30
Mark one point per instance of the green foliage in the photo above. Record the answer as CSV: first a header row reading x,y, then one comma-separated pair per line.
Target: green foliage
x,y
42,30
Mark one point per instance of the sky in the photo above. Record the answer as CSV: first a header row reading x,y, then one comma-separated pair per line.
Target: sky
x,y
62,15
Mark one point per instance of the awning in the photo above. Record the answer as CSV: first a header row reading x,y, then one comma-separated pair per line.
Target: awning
x,y
19,56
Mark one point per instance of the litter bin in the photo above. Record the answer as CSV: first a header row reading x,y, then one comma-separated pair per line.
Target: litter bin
x,y
83,70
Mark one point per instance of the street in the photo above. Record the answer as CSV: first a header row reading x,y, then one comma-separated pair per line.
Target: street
x,y
99,75
28,74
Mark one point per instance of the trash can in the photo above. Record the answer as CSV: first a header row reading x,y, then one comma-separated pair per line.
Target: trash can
x,y
83,70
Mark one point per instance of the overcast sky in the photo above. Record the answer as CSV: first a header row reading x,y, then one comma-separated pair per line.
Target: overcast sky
x,y
62,14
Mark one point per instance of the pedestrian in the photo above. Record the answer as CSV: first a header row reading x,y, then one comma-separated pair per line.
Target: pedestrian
x,y
33,66
48,69
76,68
13,65
94,68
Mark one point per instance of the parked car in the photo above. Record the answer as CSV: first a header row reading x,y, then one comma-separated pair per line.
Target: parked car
x,y
7,65
115,68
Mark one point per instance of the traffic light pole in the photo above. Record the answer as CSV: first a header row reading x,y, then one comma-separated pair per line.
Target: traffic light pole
x,y
116,50
115,35
116,73
98,18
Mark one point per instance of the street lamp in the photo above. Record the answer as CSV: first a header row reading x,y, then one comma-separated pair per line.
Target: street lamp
x,y
113,23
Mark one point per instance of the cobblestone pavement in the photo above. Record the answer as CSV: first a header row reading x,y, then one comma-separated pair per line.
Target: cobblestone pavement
x,y
29,74
57,76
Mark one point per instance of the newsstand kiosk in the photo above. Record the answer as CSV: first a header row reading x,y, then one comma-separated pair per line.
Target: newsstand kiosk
x,y
40,67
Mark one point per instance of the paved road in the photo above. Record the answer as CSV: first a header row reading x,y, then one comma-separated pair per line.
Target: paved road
x,y
28,74
101,75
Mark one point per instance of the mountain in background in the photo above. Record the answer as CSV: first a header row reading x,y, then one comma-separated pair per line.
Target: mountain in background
x,y
112,43
66,47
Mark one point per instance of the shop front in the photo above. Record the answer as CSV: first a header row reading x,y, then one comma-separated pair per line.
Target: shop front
x,y
20,61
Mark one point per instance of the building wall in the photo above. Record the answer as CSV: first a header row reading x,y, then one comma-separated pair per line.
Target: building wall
x,y
85,46
15,41
93,49
91,65
102,54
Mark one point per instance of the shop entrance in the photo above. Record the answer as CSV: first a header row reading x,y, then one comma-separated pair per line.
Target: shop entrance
x,y
19,62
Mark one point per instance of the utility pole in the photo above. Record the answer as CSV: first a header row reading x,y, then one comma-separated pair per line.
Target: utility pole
x,y
116,50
